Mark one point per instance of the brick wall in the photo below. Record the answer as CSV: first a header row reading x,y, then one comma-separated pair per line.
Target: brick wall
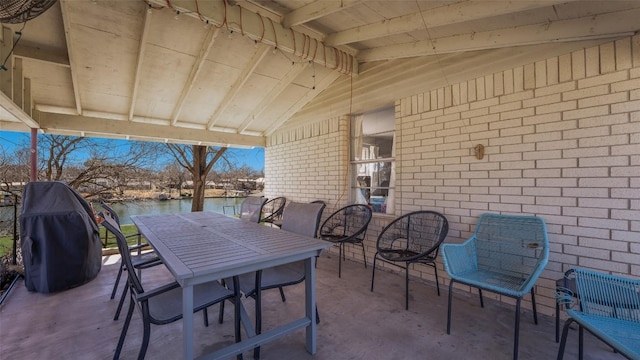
x,y
308,163
562,141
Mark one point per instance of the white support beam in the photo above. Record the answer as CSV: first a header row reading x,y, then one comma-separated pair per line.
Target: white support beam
x,y
288,78
610,25
34,53
13,126
58,123
18,83
263,29
445,15
315,10
141,51
325,83
6,76
27,103
66,20
207,44
242,79
17,112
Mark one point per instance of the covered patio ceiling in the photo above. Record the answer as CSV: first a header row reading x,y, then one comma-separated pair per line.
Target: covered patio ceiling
x,y
232,73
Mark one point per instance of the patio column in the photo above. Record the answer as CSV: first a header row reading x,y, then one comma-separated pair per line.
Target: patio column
x,y
34,155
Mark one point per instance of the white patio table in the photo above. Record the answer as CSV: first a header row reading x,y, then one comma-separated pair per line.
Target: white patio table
x,y
201,247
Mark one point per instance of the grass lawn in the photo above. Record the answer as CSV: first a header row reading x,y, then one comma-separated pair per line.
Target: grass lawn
x,y
6,243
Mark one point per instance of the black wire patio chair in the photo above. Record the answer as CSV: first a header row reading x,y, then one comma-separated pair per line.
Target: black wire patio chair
x,y
413,238
273,210
347,225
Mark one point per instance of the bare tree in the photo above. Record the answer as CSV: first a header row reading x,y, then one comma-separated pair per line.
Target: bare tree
x,y
198,160
95,168
174,175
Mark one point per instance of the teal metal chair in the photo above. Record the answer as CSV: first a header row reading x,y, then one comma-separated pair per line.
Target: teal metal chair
x,y
609,308
505,255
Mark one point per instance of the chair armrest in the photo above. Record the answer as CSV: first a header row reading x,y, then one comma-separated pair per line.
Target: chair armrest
x,y
460,258
535,274
157,291
149,263
139,246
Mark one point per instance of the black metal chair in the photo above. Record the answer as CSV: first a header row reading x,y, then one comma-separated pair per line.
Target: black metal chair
x,y
273,210
163,305
139,261
413,238
347,225
251,208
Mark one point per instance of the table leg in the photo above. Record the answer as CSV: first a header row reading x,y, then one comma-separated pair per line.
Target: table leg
x,y
310,303
258,300
187,321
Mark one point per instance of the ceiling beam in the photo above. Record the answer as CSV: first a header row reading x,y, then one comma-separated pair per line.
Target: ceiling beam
x,y
269,32
17,112
603,26
242,79
443,15
315,10
13,126
6,75
422,74
141,50
38,54
207,44
59,122
282,85
310,95
66,20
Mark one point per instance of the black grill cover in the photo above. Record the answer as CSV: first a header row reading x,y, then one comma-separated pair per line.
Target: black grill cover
x,y
59,237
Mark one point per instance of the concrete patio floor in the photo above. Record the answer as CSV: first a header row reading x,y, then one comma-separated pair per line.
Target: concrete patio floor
x,y
355,323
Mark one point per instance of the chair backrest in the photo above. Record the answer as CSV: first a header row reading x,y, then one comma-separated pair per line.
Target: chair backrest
x,y
419,232
251,208
599,293
111,212
112,225
273,209
302,218
350,221
512,244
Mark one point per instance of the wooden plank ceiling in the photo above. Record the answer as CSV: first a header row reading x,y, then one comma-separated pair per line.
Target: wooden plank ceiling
x,y
231,73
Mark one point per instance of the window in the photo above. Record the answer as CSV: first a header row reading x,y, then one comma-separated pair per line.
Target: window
x,y
372,160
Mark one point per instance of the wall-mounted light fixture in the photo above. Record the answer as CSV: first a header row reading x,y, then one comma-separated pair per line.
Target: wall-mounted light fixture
x,y
478,150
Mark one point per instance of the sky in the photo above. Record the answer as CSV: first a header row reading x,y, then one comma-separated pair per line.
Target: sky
x,y
253,158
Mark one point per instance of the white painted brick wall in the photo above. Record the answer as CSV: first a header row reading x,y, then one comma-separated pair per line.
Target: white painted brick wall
x,y
562,141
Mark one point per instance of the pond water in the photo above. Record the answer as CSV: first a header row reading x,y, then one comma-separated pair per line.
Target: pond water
x,y
227,206
148,207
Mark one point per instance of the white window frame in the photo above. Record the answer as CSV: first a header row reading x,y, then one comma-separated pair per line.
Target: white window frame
x,y
361,193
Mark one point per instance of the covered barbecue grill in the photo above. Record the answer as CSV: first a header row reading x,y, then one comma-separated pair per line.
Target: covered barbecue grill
x,y
59,237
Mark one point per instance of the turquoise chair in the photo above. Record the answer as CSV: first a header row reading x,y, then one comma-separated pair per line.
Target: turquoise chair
x,y
609,308
505,255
